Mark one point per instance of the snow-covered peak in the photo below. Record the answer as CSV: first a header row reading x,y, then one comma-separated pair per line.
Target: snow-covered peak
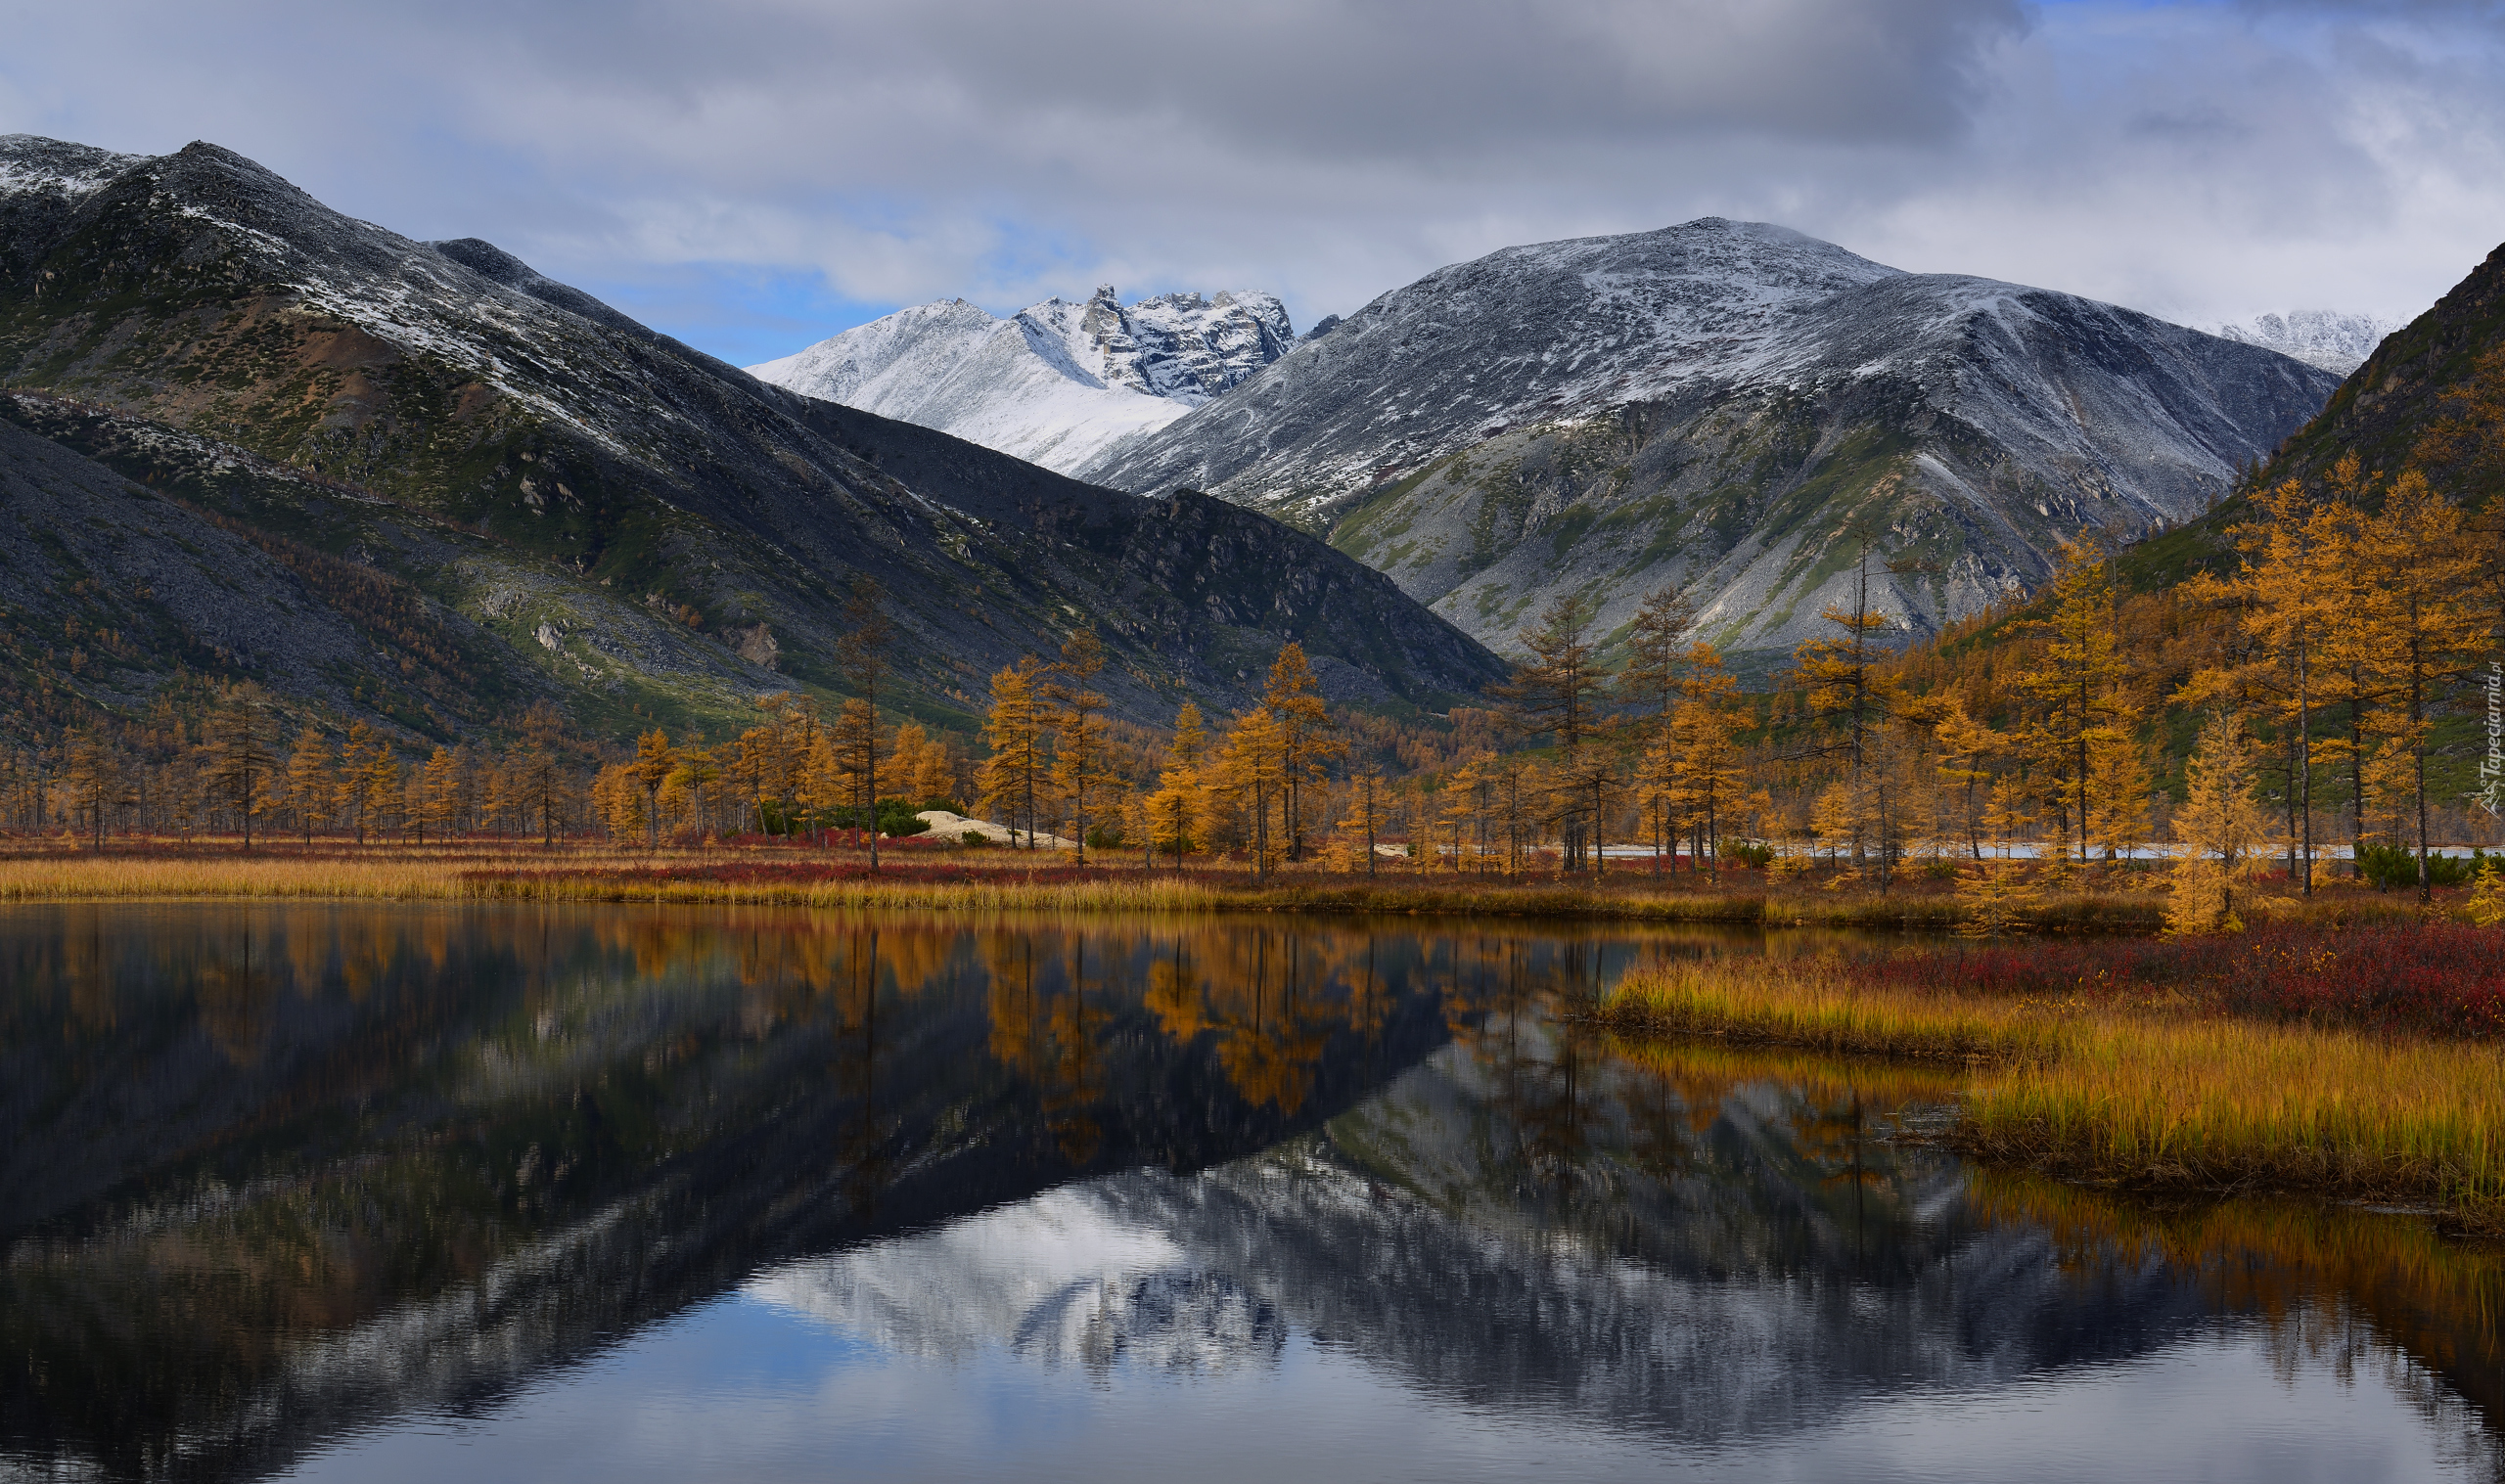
x,y
885,359
1647,309
2334,342
1528,333
1053,383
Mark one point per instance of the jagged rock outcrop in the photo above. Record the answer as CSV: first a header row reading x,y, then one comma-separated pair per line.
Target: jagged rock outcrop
x,y
1054,383
1735,409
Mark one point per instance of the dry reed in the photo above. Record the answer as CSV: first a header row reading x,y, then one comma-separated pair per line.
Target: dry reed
x,y
143,878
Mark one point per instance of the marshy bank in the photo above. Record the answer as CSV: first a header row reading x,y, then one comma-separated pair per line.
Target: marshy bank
x,y
2363,1064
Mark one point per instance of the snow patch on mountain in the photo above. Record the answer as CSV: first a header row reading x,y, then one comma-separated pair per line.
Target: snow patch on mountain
x,y
1055,384
1525,333
30,163
2322,338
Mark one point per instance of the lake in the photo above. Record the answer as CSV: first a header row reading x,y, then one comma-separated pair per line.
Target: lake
x,y
414,1193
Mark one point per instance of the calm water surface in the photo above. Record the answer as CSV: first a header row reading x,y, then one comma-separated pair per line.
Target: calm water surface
x,y
619,1193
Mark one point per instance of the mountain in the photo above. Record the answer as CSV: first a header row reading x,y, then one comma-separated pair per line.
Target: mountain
x,y
1733,408
2416,377
2430,396
1053,384
623,523
2320,337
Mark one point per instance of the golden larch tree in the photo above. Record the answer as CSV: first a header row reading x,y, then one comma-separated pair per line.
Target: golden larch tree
x,y
1014,728
1082,766
1705,772
1176,809
313,778
1308,742
2429,625
652,764
1250,767
2220,831
2080,691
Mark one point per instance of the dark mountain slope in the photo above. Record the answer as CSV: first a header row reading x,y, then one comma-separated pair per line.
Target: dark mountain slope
x,y
1207,568
110,590
420,665
609,468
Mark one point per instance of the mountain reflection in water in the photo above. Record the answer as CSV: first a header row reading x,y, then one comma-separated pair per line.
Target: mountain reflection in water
x,y
285,1183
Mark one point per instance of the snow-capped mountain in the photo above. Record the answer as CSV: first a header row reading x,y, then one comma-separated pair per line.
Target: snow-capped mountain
x,y
2337,343
1053,385
1733,408
1523,333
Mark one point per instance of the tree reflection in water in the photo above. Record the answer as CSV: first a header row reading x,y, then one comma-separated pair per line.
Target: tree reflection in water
x,y
276,1172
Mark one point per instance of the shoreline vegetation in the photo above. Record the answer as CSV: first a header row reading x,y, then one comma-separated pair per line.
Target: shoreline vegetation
x,y
818,883
932,877
2117,1078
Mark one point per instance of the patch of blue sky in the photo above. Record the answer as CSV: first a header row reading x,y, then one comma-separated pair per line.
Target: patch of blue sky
x,y
741,312
746,312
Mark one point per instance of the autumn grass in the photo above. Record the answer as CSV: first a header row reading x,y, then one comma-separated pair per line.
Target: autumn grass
x,y
2184,1097
943,880
140,878
143,878
1809,1004
948,879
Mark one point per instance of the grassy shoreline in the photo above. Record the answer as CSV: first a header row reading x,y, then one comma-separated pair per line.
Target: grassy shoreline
x,y
457,874
2155,1096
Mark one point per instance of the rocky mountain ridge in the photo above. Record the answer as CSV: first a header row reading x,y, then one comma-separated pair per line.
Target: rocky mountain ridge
x,y
1470,351
1735,409
1056,383
646,532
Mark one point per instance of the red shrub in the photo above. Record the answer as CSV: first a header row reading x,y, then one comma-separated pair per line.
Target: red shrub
x,y
2439,978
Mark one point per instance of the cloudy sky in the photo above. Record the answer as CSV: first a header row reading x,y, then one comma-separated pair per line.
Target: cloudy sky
x,y
754,174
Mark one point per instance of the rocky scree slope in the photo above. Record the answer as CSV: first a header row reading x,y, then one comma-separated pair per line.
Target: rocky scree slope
x,y
1735,409
592,470
1054,384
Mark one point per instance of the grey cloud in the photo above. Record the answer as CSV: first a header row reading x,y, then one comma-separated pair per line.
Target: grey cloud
x,y
2195,160
2203,123
1391,78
